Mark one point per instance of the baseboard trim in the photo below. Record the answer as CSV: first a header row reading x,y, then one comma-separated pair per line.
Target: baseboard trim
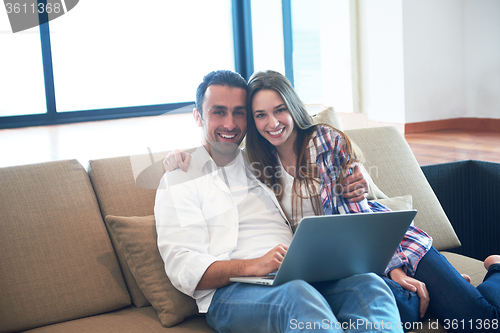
x,y
466,124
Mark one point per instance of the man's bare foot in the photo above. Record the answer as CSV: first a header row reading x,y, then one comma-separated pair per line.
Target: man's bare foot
x,y
493,259
466,277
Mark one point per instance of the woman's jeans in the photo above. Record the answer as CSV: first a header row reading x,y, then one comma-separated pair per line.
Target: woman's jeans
x,y
361,303
454,302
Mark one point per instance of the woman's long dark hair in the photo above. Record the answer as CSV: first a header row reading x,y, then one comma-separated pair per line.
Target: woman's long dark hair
x,y
262,154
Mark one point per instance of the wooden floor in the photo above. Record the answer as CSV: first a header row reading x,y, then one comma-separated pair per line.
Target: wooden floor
x,y
93,140
451,145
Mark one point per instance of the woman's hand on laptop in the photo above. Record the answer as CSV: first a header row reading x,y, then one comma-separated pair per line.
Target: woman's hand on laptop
x,y
355,187
413,285
177,159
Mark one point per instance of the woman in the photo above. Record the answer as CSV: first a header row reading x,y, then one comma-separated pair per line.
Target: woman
x,y
312,159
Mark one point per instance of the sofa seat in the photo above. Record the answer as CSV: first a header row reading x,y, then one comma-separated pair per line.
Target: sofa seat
x,y
466,265
128,320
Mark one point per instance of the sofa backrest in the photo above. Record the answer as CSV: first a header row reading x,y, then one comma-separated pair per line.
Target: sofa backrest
x,y
57,262
393,167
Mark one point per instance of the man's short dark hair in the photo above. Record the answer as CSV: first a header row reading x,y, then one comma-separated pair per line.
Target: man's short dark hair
x,y
222,78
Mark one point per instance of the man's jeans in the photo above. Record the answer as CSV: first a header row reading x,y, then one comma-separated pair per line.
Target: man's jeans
x,y
361,303
454,302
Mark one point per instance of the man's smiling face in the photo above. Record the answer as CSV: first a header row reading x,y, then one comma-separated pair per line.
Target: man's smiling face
x,y
224,121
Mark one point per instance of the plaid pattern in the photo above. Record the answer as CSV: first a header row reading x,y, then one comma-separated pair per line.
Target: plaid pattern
x,y
329,148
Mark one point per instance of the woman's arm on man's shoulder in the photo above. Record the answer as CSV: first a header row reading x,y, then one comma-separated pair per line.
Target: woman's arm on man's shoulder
x,y
177,159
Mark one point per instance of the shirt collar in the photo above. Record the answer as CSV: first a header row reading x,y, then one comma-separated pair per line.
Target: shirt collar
x,y
204,163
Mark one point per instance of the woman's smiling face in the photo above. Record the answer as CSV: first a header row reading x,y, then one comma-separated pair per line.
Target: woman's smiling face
x,y
272,118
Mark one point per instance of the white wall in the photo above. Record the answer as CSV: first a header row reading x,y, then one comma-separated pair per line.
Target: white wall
x,y
433,33
381,66
424,60
482,58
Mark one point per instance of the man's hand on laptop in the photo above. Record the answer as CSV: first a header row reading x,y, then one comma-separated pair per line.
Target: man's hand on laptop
x,y
177,159
218,274
408,283
355,187
268,263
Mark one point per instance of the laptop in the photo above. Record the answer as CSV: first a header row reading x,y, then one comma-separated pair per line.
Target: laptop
x,y
333,247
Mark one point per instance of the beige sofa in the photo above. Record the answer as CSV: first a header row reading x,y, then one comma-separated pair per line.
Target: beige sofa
x,y
78,249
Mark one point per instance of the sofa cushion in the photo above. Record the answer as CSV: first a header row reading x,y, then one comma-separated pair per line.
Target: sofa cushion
x,y
392,165
136,237
127,320
465,265
397,203
114,181
328,116
56,261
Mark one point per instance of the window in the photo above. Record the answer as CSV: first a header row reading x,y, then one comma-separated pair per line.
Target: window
x,y
323,68
138,53
21,69
267,35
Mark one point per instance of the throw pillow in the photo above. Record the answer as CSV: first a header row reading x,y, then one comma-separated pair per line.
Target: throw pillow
x,y
327,116
136,237
397,203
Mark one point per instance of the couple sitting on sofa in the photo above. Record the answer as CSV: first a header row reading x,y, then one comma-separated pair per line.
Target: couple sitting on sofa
x,y
219,221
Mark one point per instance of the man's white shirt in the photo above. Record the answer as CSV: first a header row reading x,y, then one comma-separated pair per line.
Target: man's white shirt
x,y
210,214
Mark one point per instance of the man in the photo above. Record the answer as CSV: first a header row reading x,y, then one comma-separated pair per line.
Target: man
x,y
217,221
